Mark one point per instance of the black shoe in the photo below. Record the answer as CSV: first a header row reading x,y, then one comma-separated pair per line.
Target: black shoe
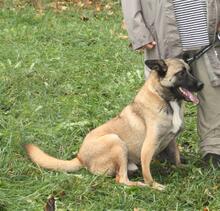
x,y
212,159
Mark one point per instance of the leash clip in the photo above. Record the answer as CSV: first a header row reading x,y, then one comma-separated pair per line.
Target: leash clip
x,y
197,55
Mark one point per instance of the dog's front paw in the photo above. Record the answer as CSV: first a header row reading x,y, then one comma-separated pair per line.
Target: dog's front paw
x,y
158,186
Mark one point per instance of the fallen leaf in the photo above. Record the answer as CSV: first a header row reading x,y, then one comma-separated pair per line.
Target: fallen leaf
x,y
98,7
110,13
87,2
112,31
50,205
181,149
216,187
139,209
1,3
38,6
123,37
58,6
108,7
84,18
123,25
80,4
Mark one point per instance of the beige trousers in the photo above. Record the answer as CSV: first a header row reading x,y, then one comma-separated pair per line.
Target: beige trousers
x,y
208,110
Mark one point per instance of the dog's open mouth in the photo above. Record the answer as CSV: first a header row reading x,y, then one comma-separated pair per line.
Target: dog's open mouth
x,y
188,96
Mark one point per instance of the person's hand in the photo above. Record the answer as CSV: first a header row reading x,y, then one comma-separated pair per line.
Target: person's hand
x,y
150,45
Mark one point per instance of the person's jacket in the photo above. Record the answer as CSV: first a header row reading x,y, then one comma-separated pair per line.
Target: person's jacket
x,y
154,20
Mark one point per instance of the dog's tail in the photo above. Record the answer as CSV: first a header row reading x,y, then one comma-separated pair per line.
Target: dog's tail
x,y
46,161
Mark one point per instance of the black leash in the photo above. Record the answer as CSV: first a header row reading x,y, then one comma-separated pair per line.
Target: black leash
x,y
197,55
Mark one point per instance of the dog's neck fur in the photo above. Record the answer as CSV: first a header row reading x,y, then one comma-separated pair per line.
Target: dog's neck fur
x,y
152,91
155,86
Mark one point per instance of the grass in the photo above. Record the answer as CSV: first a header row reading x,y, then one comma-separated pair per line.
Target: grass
x,y
60,76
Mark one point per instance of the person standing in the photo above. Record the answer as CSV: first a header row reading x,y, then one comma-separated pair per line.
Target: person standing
x,y
171,28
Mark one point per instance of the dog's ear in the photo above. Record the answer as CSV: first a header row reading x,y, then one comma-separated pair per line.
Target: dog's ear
x,y
185,57
157,64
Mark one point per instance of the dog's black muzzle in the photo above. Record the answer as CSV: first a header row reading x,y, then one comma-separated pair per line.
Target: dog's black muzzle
x,y
185,85
192,83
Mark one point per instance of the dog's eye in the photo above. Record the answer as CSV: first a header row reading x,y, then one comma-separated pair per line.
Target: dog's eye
x,y
182,73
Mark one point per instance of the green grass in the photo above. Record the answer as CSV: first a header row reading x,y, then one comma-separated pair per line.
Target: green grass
x,y
60,77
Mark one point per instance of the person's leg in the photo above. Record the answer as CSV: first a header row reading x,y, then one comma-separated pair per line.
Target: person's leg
x,y
208,112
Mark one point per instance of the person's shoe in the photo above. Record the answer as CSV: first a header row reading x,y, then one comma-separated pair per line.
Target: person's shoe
x,y
212,159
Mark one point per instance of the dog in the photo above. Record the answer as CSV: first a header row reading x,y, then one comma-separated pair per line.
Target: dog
x,y
141,131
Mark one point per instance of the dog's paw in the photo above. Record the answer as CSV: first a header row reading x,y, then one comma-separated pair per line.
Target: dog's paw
x,y
158,186
182,166
141,184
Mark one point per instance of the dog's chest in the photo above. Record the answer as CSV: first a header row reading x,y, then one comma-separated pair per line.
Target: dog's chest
x,y
173,128
177,119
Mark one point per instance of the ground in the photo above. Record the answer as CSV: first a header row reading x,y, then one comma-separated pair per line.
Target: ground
x,y
62,74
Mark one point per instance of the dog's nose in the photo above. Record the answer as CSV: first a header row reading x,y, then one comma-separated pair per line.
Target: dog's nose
x,y
200,85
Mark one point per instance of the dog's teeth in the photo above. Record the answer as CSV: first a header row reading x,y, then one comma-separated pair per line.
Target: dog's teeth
x,y
183,91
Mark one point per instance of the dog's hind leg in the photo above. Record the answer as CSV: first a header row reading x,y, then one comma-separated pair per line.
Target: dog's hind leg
x,y
122,175
122,165
110,157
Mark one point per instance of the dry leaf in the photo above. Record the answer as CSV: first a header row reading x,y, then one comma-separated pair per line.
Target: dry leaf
x,y
87,2
123,37
123,25
58,6
84,3
1,3
139,209
108,7
84,18
112,32
38,6
216,187
98,7
181,149
62,194
50,205
80,4
110,13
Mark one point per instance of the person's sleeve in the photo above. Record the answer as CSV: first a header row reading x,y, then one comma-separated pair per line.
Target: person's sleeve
x,y
138,32
218,11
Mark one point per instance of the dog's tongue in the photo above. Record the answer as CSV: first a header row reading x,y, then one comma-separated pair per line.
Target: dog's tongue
x,y
189,96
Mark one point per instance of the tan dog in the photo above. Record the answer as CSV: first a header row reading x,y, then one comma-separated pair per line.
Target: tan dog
x,y
142,130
